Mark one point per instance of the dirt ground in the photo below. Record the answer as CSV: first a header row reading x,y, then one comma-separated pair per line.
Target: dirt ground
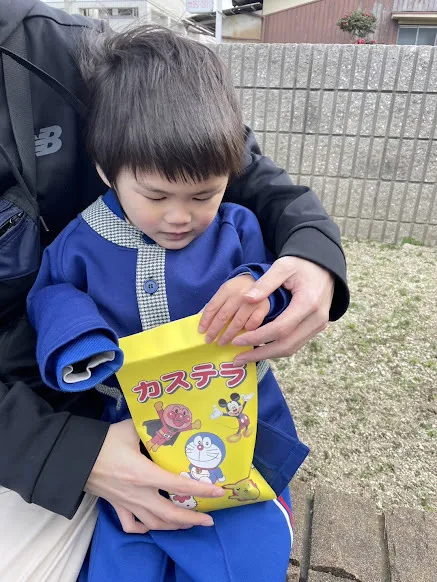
x,y
364,393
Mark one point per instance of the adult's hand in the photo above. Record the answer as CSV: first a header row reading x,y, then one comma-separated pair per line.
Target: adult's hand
x,y
130,482
307,315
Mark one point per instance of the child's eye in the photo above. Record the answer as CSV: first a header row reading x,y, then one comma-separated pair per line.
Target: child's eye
x,y
202,199
155,199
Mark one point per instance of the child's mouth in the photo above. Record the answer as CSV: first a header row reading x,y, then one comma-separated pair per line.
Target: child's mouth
x,y
176,235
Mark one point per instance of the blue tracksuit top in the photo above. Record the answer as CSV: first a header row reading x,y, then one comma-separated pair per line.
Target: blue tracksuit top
x,y
102,279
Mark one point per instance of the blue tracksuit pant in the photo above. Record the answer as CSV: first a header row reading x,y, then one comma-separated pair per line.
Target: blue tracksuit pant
x,y
246,544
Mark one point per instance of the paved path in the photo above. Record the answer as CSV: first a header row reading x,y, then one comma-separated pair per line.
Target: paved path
x,y
343,537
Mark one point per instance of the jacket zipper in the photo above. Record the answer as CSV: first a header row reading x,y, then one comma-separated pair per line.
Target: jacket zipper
x,y
10,223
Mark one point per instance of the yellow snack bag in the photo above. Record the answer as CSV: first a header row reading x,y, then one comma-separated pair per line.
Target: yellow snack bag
x,y
195,412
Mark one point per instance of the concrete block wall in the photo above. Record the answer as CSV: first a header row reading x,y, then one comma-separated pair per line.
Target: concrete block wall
x,y
356,123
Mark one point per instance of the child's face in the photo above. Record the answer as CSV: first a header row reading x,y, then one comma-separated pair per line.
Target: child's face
x,y
170,213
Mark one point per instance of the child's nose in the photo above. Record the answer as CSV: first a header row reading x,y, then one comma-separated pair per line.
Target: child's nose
x,y
178,216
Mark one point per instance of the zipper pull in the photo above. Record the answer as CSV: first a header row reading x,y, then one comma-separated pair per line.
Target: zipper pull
x,y
43,222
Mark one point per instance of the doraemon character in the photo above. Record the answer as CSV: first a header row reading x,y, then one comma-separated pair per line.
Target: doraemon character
x,y
205,451
173,419
234,408
184,501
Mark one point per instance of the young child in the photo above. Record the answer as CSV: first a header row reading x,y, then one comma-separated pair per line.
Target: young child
x,y
166,133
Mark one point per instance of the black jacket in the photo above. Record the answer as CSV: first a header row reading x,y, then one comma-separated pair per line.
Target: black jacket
x,y
48,440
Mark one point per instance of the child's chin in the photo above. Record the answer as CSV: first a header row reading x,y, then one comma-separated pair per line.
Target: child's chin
x,y
175,245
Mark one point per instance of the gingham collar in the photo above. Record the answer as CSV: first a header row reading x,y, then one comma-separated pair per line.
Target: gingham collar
x,y
106,217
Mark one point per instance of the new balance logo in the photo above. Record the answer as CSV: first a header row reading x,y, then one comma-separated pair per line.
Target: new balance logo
x,y
48,142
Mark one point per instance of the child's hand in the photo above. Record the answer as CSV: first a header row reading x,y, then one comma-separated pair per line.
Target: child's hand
x,y
229,306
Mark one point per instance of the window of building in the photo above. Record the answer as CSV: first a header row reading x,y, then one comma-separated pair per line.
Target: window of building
x,y
90,12
122,12
424,35
110,12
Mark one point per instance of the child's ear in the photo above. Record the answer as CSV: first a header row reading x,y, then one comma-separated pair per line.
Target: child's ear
x,y
103,176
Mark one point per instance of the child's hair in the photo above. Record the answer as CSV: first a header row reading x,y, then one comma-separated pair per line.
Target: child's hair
x,y
160,103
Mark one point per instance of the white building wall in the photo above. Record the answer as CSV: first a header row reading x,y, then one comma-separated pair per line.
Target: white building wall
x,y
165,12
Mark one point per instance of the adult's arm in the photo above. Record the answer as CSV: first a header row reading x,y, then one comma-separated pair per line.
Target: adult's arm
x,y
49,441
57,445
292,219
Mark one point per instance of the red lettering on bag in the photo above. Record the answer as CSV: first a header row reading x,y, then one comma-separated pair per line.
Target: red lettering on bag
x,y
236,374
146,390
203,374
177,379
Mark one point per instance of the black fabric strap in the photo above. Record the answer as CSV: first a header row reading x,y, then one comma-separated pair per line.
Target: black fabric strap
x,y
17,88
76,103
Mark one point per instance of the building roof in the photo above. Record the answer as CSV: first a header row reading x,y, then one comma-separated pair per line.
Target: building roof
x,y
243,7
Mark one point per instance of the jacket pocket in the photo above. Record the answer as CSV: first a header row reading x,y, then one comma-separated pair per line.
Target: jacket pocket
x,y
19,256
278,455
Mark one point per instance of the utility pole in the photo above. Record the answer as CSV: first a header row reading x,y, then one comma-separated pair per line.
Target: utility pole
x,y
218,21
67,6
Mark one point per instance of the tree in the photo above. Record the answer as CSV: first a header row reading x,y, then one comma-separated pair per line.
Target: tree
x,y
359,24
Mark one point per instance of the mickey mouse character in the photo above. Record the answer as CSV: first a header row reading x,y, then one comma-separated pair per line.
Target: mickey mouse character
x,y
173,419
234,408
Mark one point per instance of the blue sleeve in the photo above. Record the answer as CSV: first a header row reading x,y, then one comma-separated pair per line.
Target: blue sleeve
x,y
69,326
257,258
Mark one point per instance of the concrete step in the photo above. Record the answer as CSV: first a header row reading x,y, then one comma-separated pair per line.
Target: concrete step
x,y
339,536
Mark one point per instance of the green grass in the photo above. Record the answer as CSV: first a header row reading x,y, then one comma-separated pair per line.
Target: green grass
x,y
412,241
